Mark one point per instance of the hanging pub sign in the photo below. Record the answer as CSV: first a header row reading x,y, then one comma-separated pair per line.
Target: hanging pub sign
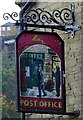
x,y
40,69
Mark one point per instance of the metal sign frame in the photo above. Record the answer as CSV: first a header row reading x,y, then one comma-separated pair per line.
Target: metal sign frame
x,y
19,51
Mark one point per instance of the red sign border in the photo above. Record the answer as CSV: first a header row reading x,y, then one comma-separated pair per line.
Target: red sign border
x,y
18,92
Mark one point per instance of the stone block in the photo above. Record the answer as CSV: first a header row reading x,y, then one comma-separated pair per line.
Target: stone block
x,y
69,108
77,9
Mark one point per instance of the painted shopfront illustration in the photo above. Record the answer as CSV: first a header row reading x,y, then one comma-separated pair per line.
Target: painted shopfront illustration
x,y
50,64
40,69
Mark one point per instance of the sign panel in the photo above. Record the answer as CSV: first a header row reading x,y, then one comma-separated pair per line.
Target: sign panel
x,y
40,68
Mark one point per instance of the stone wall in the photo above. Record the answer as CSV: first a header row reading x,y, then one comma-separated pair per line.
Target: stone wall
x,y
73,58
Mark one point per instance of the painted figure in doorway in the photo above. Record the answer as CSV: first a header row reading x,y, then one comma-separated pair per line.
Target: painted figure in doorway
x,y
40,81
57,78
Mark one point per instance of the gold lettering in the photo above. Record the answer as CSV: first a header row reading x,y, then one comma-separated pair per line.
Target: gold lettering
x,y
45,103
60,105
21,102
35,103
42,42
55,104
38,39
31,104
34,38
52,104
41,103
26,102
49,104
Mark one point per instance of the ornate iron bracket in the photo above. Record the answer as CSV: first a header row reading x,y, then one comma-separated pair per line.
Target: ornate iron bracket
x,y
72,29
62,20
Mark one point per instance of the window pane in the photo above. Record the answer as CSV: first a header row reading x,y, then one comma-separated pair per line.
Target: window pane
x,y
3,28
8,28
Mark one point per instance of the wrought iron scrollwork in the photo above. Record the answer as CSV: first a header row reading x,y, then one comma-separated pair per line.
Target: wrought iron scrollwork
x,y
58,19
63,17
13,15
40,16
44,17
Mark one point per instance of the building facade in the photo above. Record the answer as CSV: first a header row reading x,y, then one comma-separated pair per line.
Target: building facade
x,y
73,52
7,38
8,29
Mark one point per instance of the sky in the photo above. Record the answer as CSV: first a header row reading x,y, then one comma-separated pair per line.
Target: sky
x,y
8,6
